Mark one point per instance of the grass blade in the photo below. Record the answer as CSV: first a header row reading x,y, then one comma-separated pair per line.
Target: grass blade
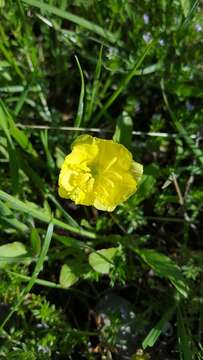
x,y
10,128
37,281
8,55
21,100
79,115
183,338
73,18
124,82
156,331
14,167
39,214
189,12
90,107
6,216
67,216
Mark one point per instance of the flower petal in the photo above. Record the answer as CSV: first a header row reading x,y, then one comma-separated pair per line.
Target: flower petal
x,y
137,170
98,172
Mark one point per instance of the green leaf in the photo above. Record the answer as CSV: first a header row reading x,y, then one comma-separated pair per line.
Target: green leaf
x,y
186,5
67,276
35,241
2,3
12,249
101,260
9,251
165,267
123,131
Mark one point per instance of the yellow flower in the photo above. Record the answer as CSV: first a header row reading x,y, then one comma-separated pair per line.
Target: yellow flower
x,y
98,172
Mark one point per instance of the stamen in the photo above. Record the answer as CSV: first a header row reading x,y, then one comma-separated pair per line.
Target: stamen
x,y
110,164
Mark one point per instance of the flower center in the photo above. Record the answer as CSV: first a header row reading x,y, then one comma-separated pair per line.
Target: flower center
x,y
94,170
98,169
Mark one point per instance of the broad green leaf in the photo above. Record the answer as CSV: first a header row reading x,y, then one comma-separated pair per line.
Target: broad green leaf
x,y
35,241
9,251
123,131
165,267
67,276
101,260
12,249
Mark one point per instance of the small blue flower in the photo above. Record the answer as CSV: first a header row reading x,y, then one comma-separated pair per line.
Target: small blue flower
x,y
161,42
198,27
147,37
146,19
